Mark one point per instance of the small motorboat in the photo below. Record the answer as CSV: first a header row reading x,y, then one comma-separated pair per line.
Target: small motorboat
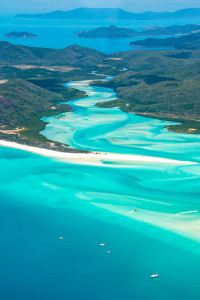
x,y
61,238
108,252
154,275
102,245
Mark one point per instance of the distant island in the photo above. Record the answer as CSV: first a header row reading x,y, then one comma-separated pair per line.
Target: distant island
x,y
107,32
170,30
113,14
15,34
120,32
187,42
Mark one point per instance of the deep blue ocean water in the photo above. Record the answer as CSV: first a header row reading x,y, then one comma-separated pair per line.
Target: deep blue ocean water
x,y
60,33
146,214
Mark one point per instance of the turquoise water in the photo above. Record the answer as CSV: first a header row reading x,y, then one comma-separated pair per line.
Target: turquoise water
x,y
60,33
43,199
146,214
112,130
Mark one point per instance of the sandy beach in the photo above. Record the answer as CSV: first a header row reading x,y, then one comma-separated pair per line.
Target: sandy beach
x,y
92,157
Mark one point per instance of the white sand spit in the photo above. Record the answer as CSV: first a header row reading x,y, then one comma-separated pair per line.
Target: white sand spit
x,y
97,156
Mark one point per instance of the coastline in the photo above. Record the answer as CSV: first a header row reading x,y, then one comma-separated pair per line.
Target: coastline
x,y
92,157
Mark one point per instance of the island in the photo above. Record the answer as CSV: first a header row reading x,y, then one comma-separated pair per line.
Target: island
x,y
170,30
107,32
189,42
121,32
113,14
15,34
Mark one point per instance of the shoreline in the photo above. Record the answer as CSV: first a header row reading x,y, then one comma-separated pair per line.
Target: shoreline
x,y
92,157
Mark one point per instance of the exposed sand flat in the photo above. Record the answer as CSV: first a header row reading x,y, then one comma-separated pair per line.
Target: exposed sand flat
x,y
12,131
93,156
61,68
26,67
3,81
51,68
114,58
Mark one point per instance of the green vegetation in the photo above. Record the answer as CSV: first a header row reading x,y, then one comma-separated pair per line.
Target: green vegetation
x,y
158,84
54,85
30,94
189,42
107,32
22,105
72,56
21,100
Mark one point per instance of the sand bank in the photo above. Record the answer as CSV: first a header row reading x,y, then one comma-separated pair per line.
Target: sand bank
x,y
93,156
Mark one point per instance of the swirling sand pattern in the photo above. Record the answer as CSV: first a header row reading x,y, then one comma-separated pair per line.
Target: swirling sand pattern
x,y
146,214
112,130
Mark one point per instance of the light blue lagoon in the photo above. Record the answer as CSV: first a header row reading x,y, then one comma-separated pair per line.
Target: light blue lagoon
x,y
146,214
90,128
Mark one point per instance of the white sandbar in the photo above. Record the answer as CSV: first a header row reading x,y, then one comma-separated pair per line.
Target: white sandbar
x,y
92,155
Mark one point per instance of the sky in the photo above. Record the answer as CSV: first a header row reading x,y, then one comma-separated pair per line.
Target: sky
x,y
40,6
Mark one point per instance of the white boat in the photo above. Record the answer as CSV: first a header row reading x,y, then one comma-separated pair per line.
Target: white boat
x,y
154,275
102,245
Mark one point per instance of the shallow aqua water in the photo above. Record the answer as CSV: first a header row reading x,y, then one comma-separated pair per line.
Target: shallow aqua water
x,y
42,199
112,130
147,214
89,205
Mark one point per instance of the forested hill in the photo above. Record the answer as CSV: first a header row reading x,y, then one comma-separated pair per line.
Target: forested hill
x,y
189,42
170,30
107,32
163,84
21,100
73,55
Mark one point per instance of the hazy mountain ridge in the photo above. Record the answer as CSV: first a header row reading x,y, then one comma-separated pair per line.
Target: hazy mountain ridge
x,y
121,32
113,13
